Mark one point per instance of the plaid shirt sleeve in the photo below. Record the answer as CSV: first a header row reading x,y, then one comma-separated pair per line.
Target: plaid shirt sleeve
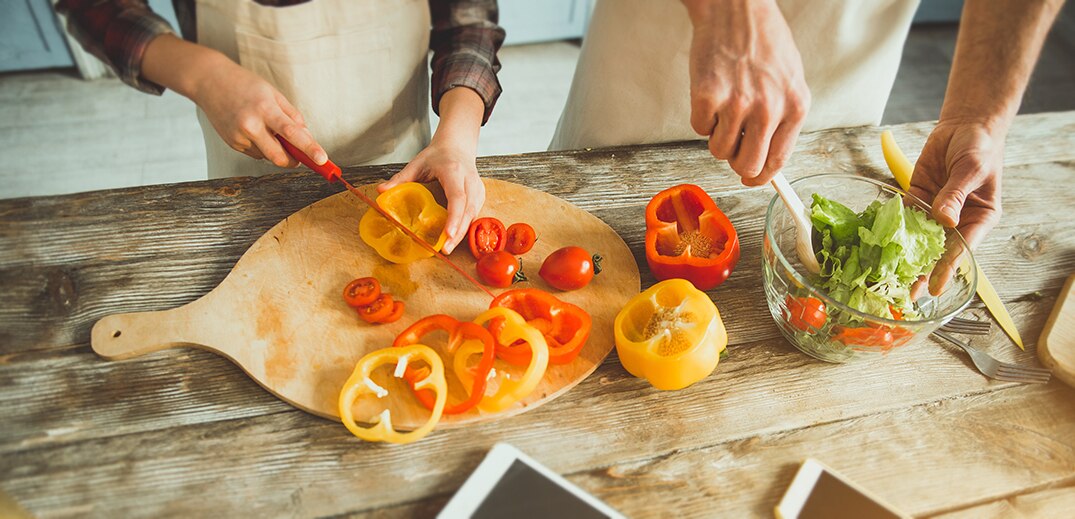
x,y
117,32
465,39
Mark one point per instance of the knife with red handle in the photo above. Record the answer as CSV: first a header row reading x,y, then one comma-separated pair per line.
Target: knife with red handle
x,y
332,173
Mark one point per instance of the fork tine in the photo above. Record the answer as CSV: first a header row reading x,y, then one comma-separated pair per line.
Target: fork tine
x,y
1004,377
967,326
1025,371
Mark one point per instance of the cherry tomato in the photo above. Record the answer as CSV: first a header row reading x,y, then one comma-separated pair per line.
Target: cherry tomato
x,y
361,291
570,268
877,336
486,235
520,238
377,310
499,269
805,313
395,314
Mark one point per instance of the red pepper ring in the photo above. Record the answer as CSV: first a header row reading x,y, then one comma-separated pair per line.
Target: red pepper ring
x,y
689,237
566,327
459,333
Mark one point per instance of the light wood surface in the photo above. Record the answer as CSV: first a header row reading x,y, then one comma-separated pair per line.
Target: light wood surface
x,y
1056,347
279,314
185,433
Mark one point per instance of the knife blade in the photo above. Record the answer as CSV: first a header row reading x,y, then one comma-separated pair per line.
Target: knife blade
x,y
902,169
332,173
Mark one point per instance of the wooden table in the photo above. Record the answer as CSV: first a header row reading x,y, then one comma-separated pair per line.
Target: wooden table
x,y
184,432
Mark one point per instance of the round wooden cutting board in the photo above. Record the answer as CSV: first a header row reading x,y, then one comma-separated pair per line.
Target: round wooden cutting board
x,y
280,316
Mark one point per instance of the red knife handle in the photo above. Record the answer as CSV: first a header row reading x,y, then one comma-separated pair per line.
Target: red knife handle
x,y
330,171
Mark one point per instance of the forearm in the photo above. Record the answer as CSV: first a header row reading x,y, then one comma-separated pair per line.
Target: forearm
x,y
461,113
179,64
998,44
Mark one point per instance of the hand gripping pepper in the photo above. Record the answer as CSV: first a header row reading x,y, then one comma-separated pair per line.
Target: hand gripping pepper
x,y
566,327
360,382
459,333
509,390
670,335
413,205
688,237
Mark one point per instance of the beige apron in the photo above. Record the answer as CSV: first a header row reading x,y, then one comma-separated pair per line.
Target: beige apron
x,y
356,69
632,83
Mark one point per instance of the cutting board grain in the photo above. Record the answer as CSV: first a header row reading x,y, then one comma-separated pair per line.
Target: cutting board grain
x,y
279,314
1056,346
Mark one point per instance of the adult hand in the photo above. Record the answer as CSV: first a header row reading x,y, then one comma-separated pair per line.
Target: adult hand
x,y
455,169
959,174
748,91
246,111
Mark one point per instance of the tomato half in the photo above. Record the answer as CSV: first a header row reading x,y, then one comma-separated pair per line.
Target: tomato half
x,y
570,268
520,238
486,235
377,310
499,269
805,313
361,291
874,336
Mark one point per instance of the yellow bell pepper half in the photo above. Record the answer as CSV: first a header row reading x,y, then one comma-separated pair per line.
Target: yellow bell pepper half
x,y
360,383
670,335
414,206
510,390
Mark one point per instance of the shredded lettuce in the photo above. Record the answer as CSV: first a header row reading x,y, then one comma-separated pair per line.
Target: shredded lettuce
x,y
869,260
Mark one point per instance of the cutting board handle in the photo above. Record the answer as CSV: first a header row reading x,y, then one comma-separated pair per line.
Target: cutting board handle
x,y
122,336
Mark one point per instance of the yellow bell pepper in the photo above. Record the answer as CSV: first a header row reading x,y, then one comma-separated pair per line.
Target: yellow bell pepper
x,y
670,335
414,206
360,383
509,390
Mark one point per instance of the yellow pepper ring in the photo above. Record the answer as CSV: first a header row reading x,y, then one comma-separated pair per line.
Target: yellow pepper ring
x,y
414,206
360,383
510,390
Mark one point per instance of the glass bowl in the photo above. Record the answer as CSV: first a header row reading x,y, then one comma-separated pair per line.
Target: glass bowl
x,y
846,333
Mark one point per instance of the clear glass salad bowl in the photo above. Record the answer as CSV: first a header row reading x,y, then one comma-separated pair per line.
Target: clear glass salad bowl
x,y
842,333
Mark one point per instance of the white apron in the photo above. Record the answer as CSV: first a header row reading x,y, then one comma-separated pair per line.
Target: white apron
x,y
632,81
355,69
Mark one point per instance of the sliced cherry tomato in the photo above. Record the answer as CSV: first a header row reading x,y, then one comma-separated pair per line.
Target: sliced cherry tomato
x,y
379,309
805,313
362,291
570,268
486,235
521,238
395,314
499,269
873,336
897,314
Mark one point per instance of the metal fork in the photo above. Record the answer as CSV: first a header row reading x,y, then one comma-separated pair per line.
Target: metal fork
x,y
967,326
994,368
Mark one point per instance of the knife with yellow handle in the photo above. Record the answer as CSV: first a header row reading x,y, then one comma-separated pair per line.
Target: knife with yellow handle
x,y
902,170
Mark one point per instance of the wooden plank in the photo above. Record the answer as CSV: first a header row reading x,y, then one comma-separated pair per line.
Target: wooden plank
x,y
908,457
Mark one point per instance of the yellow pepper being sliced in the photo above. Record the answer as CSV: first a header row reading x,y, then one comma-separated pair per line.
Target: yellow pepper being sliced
x,y
670,335
360,383
509,390
414,206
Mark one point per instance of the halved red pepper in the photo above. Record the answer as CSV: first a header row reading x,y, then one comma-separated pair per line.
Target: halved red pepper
x,y
688,237
566,327
459,333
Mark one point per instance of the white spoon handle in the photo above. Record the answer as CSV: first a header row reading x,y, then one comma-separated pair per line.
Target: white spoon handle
x,y
803,242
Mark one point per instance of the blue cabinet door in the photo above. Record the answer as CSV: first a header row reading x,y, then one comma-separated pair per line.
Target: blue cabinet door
x,y
30,37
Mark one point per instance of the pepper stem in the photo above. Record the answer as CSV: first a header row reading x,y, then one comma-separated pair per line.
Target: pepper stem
x,y
596,264
519,275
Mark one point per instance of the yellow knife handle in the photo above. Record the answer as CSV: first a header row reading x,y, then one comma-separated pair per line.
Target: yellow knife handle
x,y
902,169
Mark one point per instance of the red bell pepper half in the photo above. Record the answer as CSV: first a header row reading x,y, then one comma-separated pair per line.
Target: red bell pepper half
x,y
566,327
688,237
458,332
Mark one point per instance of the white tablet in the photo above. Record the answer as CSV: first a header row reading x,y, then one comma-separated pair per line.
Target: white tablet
x,y
818,492
509,483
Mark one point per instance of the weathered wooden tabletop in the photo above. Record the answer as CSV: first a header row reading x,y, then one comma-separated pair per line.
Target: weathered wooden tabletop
x,y
184,432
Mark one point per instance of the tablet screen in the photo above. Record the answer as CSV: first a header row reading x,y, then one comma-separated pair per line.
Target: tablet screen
x,y
523,493
833,499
